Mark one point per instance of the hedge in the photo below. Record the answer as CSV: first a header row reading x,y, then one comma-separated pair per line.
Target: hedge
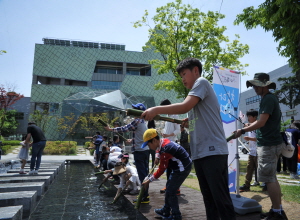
x,y
89,144
11,143
5,148
60,148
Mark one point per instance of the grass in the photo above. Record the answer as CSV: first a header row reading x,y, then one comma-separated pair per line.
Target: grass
x,y
290,193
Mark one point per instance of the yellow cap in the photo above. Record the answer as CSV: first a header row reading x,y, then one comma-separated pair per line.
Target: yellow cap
x,y
148,135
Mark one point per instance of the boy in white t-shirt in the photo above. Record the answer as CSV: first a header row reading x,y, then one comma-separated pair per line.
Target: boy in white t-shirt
x,y
252,158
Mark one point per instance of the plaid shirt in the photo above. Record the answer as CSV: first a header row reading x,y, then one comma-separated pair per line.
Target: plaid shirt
x,y
130,127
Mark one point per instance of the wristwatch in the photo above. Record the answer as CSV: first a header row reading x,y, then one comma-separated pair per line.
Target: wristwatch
x,y
243,131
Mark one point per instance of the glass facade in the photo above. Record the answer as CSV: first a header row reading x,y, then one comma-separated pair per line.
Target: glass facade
x,y
106,85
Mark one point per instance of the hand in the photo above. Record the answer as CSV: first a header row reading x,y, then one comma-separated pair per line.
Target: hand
x,y
156,161
146,183
166,135
107,128
247,138
149,114
129,140
185,123
238,133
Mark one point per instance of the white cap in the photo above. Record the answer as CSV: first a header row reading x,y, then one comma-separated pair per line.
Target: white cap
x,y
288,150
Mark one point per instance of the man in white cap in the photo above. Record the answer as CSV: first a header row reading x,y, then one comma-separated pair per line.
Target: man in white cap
x,y
269,140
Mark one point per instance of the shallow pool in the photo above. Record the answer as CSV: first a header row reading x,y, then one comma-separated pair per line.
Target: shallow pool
x,y
74,195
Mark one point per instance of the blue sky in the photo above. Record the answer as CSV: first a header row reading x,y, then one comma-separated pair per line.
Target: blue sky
x,y
24,23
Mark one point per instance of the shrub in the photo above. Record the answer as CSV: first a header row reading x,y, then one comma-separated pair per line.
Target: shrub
x,y
60,148
5,148
12,143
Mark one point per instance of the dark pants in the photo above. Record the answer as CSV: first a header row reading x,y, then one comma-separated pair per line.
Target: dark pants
x,y
141,159
283,159
212,173
37,151
174,182
251,167
98,157
292,163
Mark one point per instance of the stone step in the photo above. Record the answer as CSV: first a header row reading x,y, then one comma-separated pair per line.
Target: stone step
x,y
26,198
27,178
11,213
41,170
51,174
39,187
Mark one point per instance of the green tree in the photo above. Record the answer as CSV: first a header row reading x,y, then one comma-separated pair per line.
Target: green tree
x,y
67,125
181,31
6,100
2,52
282,18
289,91
8,122
41,118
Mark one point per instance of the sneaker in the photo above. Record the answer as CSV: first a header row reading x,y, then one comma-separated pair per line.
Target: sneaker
x,y
144,200
22,172
162,212
163,190
174,217
294,176
134,192
275,216
36,172
178,192
244,188
31,172
127,190
255,183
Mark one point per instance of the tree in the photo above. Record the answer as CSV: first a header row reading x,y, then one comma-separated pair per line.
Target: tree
x,y
66,125
8,122
289,92
282,18
41,118
181,31
2,52
6,100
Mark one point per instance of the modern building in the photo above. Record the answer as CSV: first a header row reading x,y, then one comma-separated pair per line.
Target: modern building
x,y
22,107
91,77
249,99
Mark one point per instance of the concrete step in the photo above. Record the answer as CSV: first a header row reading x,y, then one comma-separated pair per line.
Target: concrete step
x,y
26,198
26,178
41,170
39,187
11,213
51,174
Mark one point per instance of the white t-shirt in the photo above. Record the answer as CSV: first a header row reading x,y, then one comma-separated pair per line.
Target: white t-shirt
x,y
207,135
252,144
172,128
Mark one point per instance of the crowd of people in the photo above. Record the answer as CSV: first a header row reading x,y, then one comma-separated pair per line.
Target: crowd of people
x,y
205,146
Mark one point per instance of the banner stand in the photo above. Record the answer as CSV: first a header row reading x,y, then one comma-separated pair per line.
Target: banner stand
x,y
242,205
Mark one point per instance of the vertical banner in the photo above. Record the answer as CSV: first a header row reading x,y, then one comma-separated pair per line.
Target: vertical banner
x,y
226,86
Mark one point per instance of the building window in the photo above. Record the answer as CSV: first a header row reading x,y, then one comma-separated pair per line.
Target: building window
x,y
108,70
70,82
253,99
19,116
138,69
106,85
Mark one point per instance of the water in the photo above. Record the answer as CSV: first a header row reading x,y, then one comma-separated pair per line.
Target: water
x,y
73,195
12,164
